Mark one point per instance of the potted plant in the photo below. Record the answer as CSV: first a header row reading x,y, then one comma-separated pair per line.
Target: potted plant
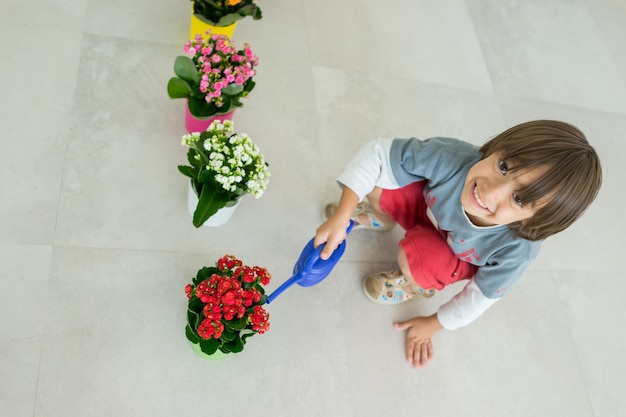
x,y
225,306
214,77
225,12
223,167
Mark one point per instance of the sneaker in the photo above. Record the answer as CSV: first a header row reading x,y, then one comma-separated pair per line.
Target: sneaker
x,y
392,288
363,211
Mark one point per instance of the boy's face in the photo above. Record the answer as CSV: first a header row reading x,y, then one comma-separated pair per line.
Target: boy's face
x,y
489,195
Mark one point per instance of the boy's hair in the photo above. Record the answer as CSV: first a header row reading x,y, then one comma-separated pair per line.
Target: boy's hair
x,y
570,183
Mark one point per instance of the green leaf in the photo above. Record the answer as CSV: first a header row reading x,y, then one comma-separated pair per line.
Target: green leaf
x,y
177,88
196,306
186,69
235,345
209,346
247,335
193,319
187,171
237,324
192,160
249,85
208,203
247,10
228,334
229,19
200,108
232,89
191,336
227,106
206,272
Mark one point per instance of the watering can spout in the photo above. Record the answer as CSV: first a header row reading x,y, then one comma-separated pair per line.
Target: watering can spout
x,y
310,269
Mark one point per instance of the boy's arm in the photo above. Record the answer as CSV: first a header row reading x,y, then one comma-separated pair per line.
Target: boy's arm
x,y
370,167
333,230
465,307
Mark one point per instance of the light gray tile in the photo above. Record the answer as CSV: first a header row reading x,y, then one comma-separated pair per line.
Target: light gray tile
x,y
88,129
280,36
611,21
35,106
166,22
118,333
548,50
55,14
19,366
594,306
24,287
519,349
425,40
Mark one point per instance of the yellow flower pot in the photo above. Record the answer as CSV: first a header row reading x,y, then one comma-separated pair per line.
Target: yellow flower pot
x,y
199,27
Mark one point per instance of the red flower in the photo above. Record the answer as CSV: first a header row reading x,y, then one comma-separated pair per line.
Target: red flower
x,y
228,262
260,320
229,298
231,294
210,328
263,274
211,310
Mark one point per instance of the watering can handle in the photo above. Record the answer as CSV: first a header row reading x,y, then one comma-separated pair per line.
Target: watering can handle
x,y
316,254
309,263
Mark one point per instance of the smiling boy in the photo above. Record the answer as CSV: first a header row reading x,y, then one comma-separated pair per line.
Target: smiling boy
x,y
469,213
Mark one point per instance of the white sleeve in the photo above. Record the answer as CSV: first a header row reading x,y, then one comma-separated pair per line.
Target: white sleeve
x,y
465,307
370,167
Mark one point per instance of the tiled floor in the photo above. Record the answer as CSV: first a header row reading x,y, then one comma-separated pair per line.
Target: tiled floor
x,y
96,243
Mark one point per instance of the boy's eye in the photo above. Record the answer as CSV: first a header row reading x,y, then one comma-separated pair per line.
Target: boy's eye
x,y
517,200
503,167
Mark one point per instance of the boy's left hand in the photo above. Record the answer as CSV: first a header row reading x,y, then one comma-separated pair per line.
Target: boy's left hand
x,y
419,346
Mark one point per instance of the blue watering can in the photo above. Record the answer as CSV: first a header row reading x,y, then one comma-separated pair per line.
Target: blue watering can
x,y
310,269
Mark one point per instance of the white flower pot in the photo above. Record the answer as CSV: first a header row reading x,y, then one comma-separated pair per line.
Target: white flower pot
x,y
221,217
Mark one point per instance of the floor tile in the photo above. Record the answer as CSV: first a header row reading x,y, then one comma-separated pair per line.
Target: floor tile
x,y
35,122
551,51
97,243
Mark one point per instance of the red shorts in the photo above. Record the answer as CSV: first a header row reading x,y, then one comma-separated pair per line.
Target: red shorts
x,y
431,260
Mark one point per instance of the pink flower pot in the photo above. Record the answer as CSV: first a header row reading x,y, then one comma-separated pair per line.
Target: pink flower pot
x,y
193,124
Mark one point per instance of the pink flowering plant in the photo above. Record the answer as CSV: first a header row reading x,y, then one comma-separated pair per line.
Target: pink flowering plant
x,y
226,305
214,77
225,12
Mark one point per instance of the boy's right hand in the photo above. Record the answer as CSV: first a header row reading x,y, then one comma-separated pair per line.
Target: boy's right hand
x,y
332,232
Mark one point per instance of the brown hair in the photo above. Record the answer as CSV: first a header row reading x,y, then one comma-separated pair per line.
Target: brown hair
x,y
571,180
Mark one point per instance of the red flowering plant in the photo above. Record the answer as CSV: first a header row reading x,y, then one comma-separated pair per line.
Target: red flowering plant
x,y
225,305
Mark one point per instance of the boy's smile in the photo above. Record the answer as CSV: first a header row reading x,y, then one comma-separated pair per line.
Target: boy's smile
x,y
490,197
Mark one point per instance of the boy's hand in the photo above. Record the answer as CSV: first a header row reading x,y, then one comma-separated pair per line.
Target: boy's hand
x,y
419,346
332,232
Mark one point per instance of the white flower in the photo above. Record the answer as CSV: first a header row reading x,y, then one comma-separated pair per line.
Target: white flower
x,y
235,160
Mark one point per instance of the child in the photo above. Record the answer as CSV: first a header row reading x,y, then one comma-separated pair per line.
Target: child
x,y
469,213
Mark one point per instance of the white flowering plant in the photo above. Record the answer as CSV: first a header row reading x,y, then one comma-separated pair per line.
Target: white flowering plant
x,y
223,167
